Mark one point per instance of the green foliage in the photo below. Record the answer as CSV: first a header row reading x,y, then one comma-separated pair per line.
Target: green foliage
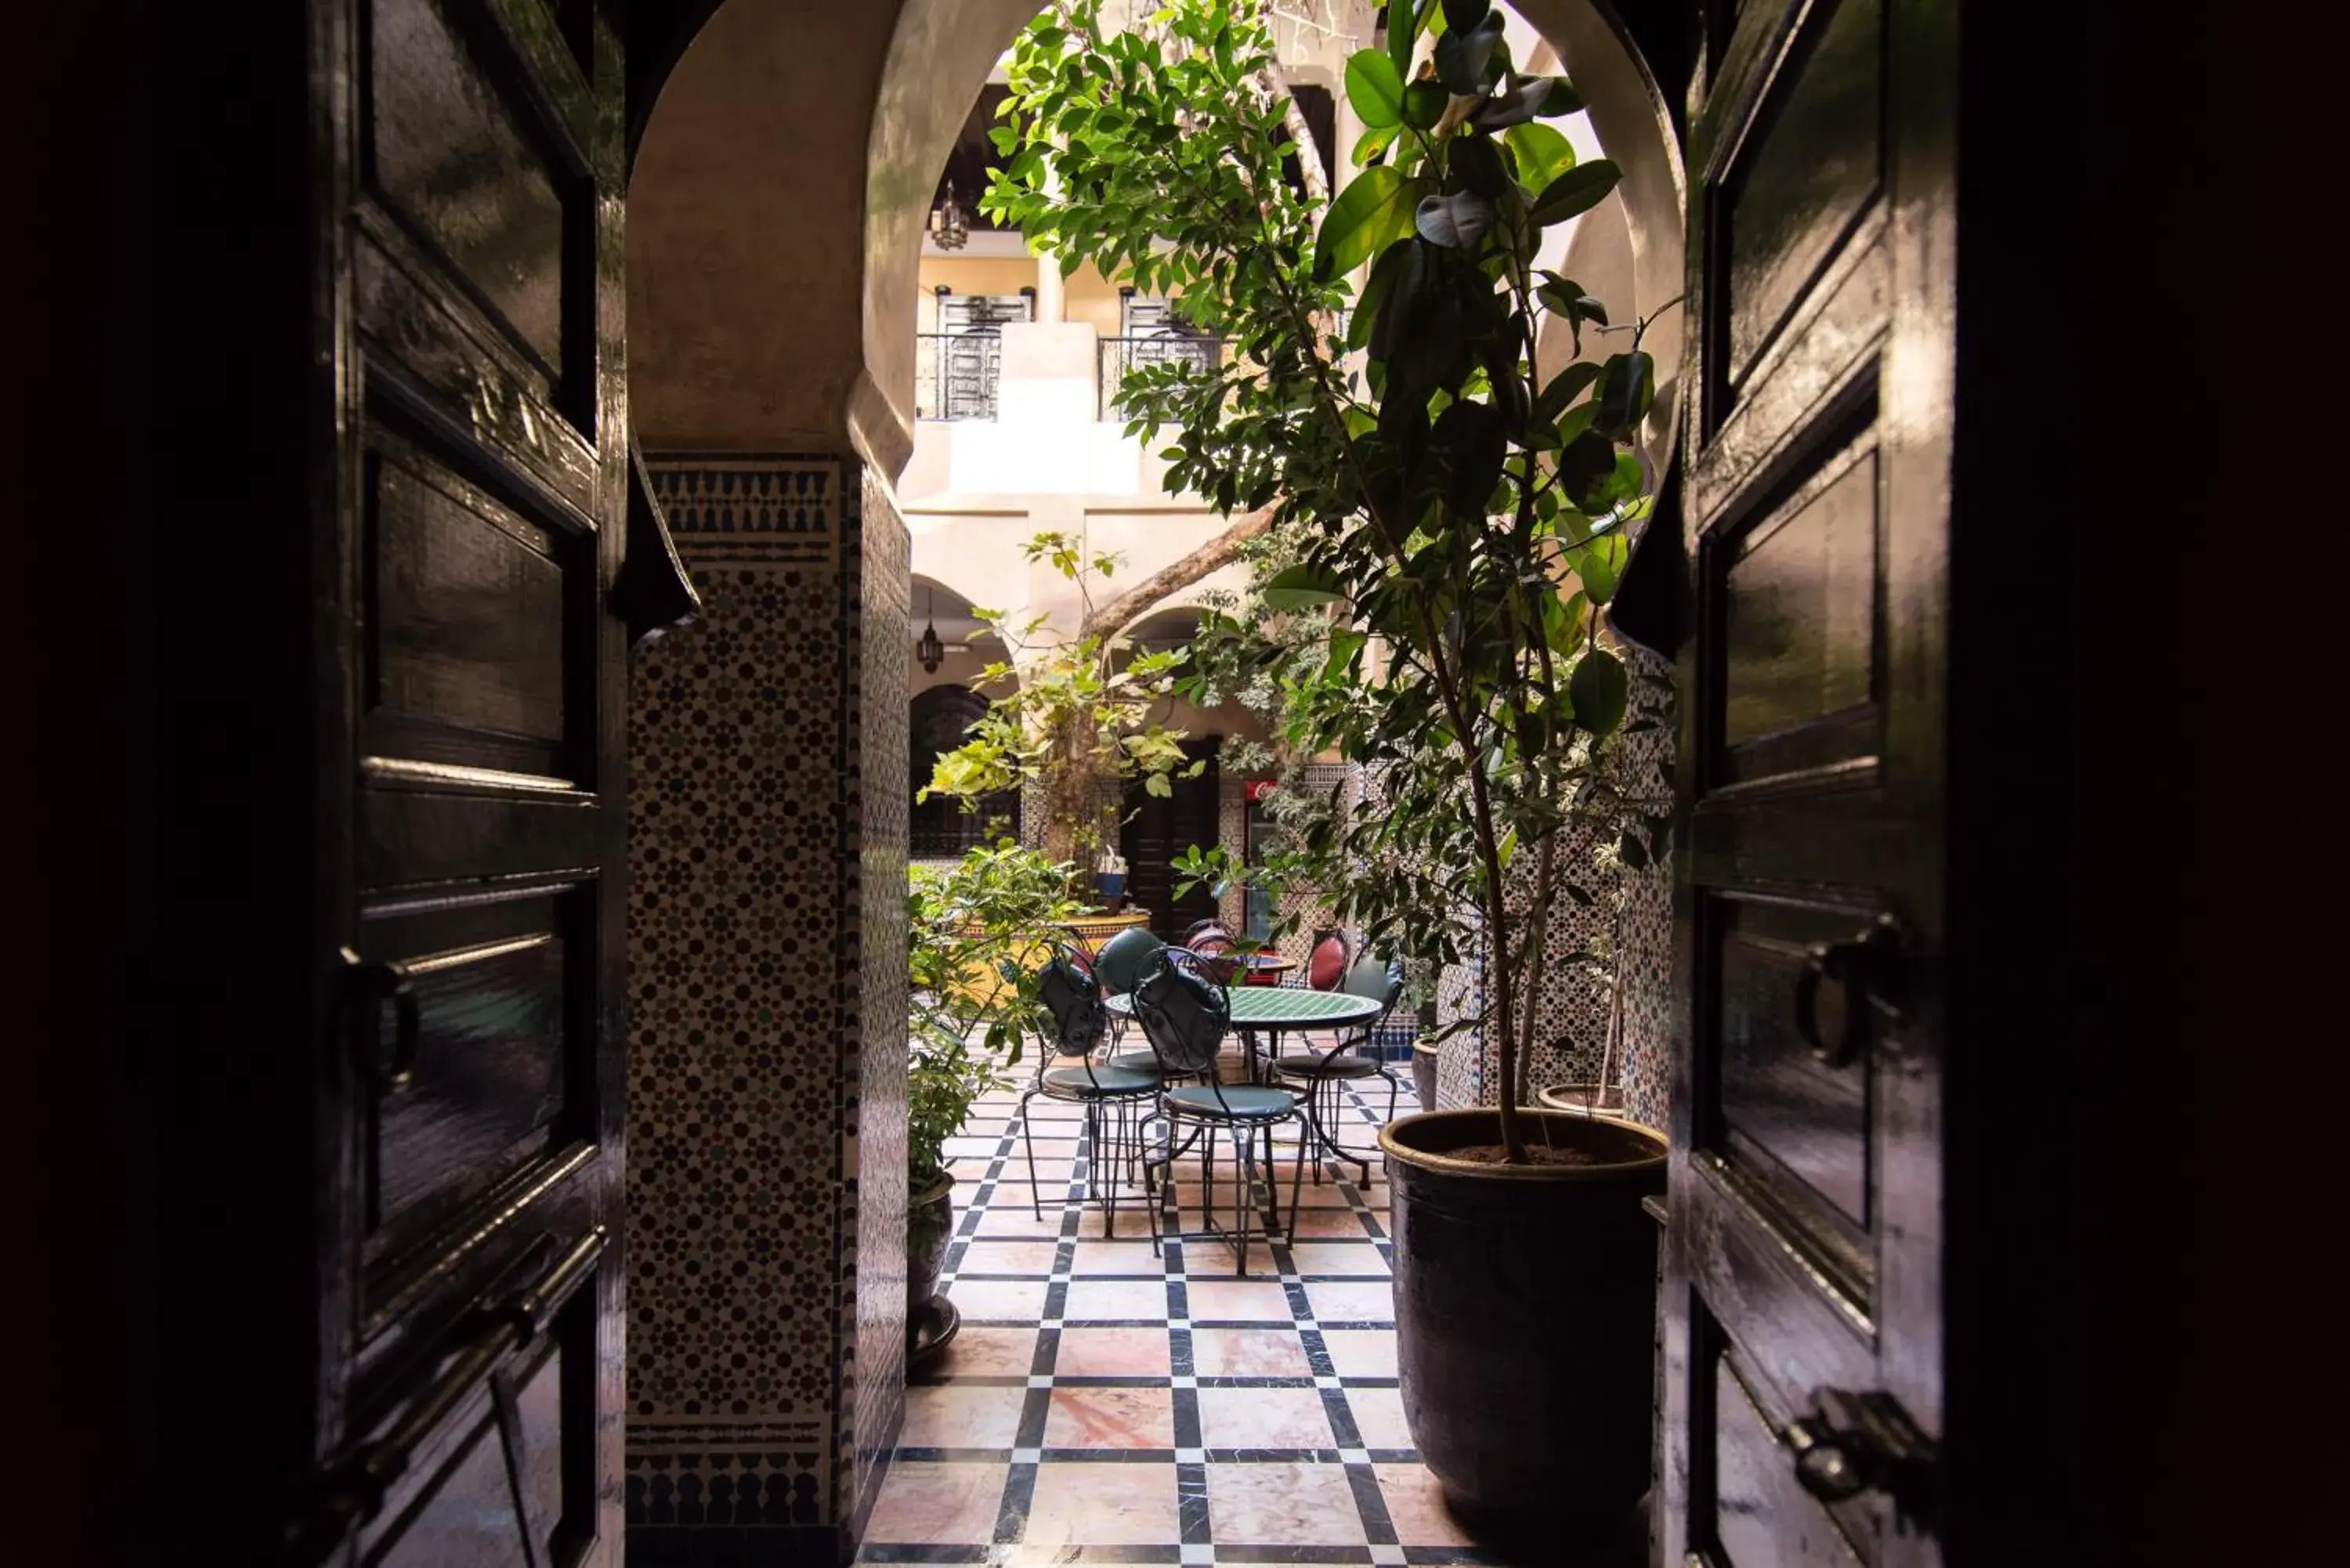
x,y
975,931
1081,712
1448,524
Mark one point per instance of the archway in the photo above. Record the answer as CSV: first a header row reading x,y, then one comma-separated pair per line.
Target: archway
x,y
782,163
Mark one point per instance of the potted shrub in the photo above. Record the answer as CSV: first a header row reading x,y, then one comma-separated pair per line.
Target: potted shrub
x,y
1451,512
975,930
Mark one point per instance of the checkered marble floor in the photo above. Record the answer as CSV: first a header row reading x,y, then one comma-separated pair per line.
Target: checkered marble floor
x,y
1100,1404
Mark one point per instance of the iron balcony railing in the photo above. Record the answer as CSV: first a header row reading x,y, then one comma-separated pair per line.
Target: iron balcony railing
x,y
1115,356
955,374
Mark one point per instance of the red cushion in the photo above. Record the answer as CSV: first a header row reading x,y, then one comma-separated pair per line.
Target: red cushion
x,y
1327,965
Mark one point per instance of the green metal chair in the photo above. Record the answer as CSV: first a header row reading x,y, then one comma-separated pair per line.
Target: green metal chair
x,y
1322,1073
1185,1014
1118,968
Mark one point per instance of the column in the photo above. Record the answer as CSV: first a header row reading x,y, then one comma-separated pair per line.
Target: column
x,y
767,1014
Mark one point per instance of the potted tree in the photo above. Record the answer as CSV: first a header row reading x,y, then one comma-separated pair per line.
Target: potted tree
x,y
975,929
1449,513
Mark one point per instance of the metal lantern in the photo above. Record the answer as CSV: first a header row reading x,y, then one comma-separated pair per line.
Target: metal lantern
x,y
930,652
949,224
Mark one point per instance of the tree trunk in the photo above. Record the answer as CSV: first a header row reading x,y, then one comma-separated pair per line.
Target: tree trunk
x,y
1220,551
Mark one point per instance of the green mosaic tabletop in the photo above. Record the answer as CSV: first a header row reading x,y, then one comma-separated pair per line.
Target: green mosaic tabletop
x,y
1283,1007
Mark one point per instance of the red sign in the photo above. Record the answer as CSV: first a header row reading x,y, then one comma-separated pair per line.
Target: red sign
x,y
1258,789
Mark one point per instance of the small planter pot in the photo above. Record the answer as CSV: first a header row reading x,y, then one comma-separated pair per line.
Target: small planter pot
x,y
1583,1099
1423,1072
1111,888
1525,1316
931,1320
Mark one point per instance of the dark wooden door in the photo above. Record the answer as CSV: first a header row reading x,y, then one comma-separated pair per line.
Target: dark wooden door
x,y
1803,1375
1157,829
469,281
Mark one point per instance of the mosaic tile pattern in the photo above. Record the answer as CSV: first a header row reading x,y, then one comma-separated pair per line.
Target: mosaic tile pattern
x,y
873,1382
1102,1405
751,1023
1577,1011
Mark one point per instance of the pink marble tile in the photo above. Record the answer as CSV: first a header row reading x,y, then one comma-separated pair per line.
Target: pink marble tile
x,y
1283,1505
1348,1300
1238,1301
1005,1221
1102,1505
1116,1257
989,1353
1329,1223
959,1416
1361,1352
1338,1258
1110,1419
1112,1352
1249,1353
1100,1299
993,1255
1416,1505
937,1504
999,1301
1378,1415
1263,1419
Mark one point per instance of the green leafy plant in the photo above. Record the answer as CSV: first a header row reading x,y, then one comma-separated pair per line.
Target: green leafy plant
x,y
1077,714
1454,509
977,933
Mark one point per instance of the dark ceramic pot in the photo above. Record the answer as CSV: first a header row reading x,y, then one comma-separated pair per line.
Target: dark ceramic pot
x,y
1525,1314
929,1227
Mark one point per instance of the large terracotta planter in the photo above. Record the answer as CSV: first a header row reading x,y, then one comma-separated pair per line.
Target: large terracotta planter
x,y
1525,1303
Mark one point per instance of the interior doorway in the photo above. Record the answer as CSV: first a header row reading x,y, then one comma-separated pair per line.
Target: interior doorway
x,y
1155,829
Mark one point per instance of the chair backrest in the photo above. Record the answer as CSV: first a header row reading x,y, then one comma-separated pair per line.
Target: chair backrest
x,y
1123,959
1215,940
1196,927
1074,1001
1326,966
1185,1013
1375,977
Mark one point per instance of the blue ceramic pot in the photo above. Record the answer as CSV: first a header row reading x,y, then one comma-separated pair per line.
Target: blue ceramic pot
x,y
1111,886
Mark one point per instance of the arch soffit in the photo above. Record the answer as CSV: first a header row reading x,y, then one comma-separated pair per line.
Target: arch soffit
x,y
937,56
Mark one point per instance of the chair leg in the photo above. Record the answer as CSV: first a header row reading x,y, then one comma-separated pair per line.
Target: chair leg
x,y
1244,1178
1304,1142
1028,1136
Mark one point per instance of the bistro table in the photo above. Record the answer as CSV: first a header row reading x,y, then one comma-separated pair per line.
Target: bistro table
x,y
1275,1010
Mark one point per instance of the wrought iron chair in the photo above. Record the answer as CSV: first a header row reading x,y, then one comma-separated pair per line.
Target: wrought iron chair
x,y
1324,1072
1120,963
1185,1014
1110,1095
1326,966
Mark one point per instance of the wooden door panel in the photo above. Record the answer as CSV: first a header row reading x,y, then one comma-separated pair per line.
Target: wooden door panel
x,y
1806,165
508,1462
472,606
1805,1149
485,494
499,1078
1760,1518
478,136
1799,607
1788,1120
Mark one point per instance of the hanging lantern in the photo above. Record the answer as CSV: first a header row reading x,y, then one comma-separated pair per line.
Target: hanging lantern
x,y
949,224
930,652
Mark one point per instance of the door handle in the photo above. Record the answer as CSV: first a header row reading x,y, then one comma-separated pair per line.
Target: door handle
x,y
1852,1443
373,982
1869,967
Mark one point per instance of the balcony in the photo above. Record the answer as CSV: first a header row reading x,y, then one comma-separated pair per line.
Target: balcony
x,y
956,374
1114,357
